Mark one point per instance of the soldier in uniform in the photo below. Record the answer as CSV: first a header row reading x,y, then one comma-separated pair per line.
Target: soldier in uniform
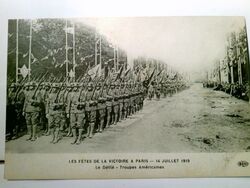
x,y
116,94
158,91
18,105
67,95
54,112
125,93
91,105
109,103
76,112
150,91
45,95
141,96
11,113
101,106
31,110
121,102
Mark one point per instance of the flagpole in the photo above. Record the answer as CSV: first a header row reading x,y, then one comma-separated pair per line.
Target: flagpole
x,y
66,50
115,59
30,49
95,48
74,55
17,51
100,46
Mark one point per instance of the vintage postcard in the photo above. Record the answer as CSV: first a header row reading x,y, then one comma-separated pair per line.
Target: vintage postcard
x,y
127,97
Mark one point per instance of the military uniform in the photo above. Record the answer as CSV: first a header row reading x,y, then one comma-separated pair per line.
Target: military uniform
x,y
109,104
125,94
31,110
54,112
116,94
101,107
150,92
91,107
76,112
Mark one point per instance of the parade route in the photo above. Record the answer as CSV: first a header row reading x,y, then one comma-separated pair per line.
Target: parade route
x,y
195,120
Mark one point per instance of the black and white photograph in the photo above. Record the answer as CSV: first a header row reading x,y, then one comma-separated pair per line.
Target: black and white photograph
x,y
128,85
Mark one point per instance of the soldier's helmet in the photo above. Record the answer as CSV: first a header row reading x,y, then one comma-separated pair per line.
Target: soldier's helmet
x,y
55,85
75,85
117,84
46,84
99,85
90,85
26,85
33,84
13,85
112,85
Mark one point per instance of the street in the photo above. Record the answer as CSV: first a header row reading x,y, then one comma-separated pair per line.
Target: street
x,y
195,120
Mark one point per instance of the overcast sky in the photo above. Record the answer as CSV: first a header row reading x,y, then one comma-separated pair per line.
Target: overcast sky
x,y
187,43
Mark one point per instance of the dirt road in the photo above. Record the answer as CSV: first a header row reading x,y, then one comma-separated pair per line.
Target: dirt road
x,y
195,120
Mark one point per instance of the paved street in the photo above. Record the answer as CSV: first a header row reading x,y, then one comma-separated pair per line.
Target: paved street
x,y
194,120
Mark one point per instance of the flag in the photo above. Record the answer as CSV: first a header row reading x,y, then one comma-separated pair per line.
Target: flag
x,y
24,55
95,71
71,74
24,71
119,73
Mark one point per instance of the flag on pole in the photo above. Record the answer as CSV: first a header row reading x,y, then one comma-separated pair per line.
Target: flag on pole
x,y
95,71
24,71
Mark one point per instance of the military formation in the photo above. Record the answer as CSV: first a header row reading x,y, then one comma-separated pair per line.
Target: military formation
x,y
77,109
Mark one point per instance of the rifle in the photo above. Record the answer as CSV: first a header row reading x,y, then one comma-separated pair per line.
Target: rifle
x,y
95,88
20,88
57,95
33,97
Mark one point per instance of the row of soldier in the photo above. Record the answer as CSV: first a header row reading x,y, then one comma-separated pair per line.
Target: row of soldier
x,y
168,88
72,107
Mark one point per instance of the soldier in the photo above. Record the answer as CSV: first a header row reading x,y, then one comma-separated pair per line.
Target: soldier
x,y
132,98
101,106
76,112
67,94
158,91
42,92
91,105
109,103
125,93
31,110
54,112
45,95
62,97
116,94
150,91
11,113
141,96
121,102
18,105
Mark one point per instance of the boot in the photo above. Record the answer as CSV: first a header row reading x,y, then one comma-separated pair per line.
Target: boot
x,y
116,119
79,136
91,129
69,134
34,137
108,121
29,132
52,131
74,135
57,136
101,125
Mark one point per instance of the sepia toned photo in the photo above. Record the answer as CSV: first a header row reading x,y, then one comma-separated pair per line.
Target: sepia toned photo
x,y
107,97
